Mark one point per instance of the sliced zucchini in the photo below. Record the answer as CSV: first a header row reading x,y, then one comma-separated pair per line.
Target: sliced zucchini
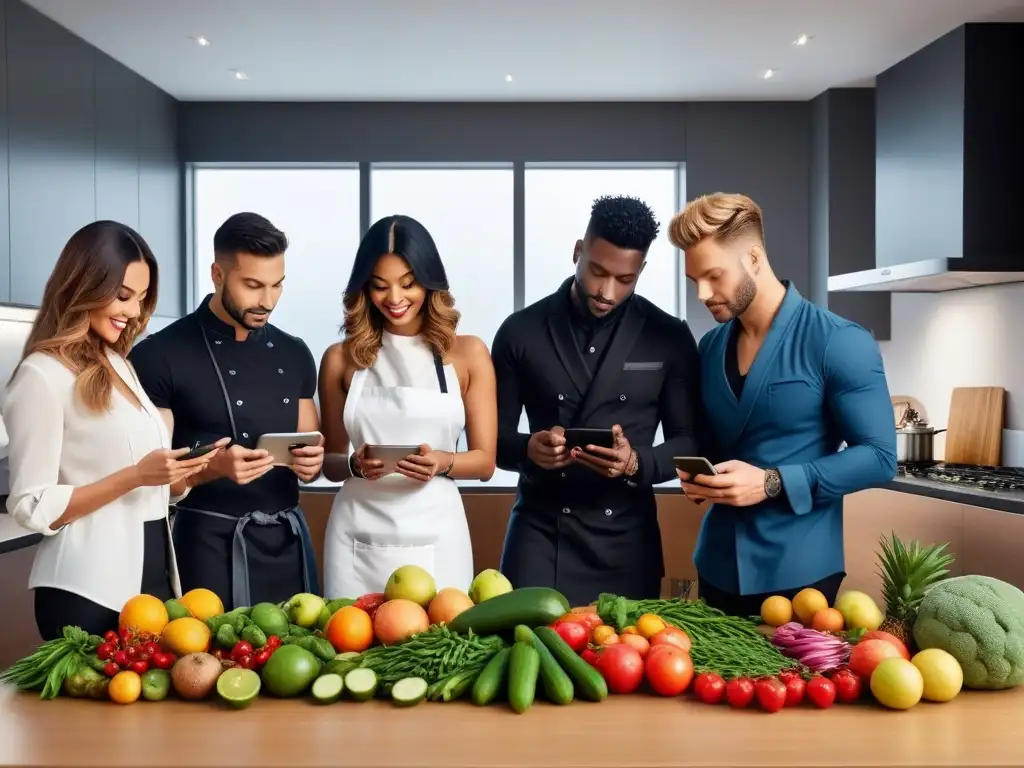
x,y
328,688
361,683
409,691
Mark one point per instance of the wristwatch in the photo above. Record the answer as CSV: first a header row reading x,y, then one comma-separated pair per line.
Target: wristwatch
x,y
772,483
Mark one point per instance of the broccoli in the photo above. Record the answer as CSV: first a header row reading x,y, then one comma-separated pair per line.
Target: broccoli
x,y
980,621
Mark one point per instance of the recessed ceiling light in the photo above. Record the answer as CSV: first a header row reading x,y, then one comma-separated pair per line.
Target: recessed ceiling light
x,y
240,75
802,40
508,78
769,74
201,41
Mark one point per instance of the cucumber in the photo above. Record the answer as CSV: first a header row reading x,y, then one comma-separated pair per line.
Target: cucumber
x,y
491,679
523,669
361,683
532,606
557,686
340,666
327,688
588,681
409,691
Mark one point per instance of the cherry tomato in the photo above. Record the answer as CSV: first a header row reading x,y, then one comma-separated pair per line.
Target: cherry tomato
x,y
106,651
112,637
589,655
139,666
163,660
261,656
574,634
796,687
110,669
672,636
669,672
739,692
709,687
848,686
132,651
121,659
371,602
771,694
821,691
151,649
245,660
242,648
621,667
273,642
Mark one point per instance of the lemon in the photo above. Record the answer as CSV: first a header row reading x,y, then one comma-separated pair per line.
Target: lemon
x,y
942,674
897,684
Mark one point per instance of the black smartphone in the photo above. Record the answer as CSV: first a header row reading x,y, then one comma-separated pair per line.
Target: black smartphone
x,y
581,437
197,451
694,465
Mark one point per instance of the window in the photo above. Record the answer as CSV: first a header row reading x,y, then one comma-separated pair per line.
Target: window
x,y
468,212
558,204
318,209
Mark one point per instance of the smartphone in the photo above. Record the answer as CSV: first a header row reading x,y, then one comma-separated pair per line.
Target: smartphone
x,y
390,454
197,451
280,444
581,437
694,465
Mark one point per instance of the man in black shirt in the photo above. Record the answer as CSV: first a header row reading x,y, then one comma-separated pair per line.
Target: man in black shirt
x,y
224,370
594,354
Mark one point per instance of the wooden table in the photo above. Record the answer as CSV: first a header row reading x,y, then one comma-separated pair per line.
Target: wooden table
x,y
977,729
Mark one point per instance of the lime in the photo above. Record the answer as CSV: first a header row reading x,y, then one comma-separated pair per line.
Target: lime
x,y
290,671
238,687
156,684
269,618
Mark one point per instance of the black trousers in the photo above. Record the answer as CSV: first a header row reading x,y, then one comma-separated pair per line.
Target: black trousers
x,y
750,605
58,608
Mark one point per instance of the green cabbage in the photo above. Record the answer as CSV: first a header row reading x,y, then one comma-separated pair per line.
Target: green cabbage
x,y
980,621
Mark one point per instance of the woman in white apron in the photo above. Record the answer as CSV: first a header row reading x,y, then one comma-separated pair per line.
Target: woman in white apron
x,y
402,377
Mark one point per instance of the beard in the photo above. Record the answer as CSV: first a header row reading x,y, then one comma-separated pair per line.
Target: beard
x,y
740,303
244,317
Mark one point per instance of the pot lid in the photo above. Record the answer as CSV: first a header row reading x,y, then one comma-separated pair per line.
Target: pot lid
x,y
917,428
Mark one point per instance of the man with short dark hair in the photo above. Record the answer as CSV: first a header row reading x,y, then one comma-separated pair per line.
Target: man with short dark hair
x,y
224,370
594,354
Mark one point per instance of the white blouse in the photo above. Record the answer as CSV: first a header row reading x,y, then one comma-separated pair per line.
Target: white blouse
x,y
57,445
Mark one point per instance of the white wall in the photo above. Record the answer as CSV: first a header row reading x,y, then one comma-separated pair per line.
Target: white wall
x,y
967,338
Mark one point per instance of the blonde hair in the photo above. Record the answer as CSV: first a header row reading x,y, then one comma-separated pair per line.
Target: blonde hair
x,y
364,326
721,216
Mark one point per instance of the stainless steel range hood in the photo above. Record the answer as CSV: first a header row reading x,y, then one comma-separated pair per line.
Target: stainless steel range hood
x,y
949,166
929,276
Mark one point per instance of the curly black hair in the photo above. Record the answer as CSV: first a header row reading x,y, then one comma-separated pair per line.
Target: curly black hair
x,y
625,222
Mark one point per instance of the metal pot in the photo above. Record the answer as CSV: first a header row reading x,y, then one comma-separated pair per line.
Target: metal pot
x,y
915,439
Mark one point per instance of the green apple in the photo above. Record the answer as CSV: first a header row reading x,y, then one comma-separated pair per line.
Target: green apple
x,y
304,609
488,584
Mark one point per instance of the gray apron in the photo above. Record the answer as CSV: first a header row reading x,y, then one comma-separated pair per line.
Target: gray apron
x,y
293,517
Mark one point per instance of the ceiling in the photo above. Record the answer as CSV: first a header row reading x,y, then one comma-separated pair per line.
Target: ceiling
x,y
565,50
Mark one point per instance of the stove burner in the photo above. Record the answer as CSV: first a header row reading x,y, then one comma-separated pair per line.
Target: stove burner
x,y
979,477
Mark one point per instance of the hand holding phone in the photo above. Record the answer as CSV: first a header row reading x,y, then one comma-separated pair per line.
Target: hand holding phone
x,y
691,466
547,448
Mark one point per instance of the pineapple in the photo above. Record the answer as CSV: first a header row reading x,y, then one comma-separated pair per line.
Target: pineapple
x,y
908,572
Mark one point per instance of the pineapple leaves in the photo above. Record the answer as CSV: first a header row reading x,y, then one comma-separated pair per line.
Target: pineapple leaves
x,y
908,571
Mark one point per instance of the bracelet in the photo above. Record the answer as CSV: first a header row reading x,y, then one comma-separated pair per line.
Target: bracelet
x,y
632,464
352,467
448,469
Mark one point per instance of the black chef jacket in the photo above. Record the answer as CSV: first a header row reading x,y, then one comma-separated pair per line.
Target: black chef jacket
x,y
265,376
574,529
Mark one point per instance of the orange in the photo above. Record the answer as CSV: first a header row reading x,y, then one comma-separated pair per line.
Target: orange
x,y
648,625
202,603
776,611
143,614
185,636
807,603
827,620
350,629
125,687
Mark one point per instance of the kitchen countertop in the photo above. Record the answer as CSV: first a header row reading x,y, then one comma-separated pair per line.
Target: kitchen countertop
x,y
976,729
13,536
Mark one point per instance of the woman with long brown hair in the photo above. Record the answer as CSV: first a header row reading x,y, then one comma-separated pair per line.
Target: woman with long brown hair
x,y
91,465
402,377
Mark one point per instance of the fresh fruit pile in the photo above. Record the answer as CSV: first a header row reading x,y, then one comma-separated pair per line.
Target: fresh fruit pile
x,y
137,652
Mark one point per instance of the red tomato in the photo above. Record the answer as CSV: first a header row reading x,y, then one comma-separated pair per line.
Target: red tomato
x,y
672,636
589,655
140,666
796,687
636,641
669,673
242,648
771,694
262,656
821,691
151,649
110,669
121,659
112,637
739,692
709,687
163,660
273,642
371,602
245,661
589,620
574,633
106,651
848,686
621,667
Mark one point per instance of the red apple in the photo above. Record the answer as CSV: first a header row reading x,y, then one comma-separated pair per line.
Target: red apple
x,y
877,634
868,654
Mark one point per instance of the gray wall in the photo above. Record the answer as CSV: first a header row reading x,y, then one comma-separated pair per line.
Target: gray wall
x,y
83,138
761,149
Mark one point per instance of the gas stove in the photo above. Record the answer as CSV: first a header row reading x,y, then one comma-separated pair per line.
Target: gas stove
x,y
980,478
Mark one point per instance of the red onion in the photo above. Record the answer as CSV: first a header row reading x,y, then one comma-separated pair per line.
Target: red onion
x,y
818,651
